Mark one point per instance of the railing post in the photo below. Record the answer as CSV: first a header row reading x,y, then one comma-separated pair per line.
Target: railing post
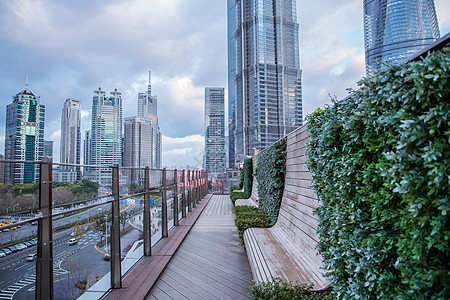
x,y
194,197
116,276
147,215
165,225
188,181
197,190
175,198
44,265
183,198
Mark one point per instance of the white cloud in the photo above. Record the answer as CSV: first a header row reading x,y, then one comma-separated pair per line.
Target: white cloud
x,y
55,136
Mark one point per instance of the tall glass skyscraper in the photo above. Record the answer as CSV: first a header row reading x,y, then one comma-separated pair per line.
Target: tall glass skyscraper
x,y
268,75
231,23
215,130
24,137
70,145
106,135
396,29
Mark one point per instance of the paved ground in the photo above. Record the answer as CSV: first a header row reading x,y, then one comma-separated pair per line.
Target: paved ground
x,y
210,263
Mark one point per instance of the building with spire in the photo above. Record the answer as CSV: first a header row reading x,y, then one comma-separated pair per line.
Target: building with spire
x,y
395,30
142,132
268,75
24,137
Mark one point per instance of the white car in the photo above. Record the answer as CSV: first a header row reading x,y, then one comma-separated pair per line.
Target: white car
x,y
72,242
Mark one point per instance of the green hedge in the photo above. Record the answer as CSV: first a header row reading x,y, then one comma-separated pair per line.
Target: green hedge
x,y
380,164
270,173
241,178
248,217
281,290
248,176
237,195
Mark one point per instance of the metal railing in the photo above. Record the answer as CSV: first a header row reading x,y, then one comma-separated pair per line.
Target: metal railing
x,y
186,190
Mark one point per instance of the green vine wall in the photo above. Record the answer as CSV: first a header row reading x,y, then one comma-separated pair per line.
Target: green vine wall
x,y
380,164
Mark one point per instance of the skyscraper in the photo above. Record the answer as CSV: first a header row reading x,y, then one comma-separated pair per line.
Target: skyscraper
x,y
24,137
148,103
396,29
231,24
106,135
215,130
268,75
48,148
139,150
71,135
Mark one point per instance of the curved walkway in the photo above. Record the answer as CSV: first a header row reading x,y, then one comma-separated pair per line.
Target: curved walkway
x,y
210,263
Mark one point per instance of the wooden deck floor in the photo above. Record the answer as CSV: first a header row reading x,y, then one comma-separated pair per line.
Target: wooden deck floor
x,y
210,263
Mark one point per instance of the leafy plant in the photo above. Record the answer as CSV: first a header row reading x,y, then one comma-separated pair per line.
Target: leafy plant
x,y
248,176
248,217
380,165
282,290
270,172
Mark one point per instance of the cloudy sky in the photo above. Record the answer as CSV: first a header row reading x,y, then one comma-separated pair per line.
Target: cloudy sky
x,y
70,48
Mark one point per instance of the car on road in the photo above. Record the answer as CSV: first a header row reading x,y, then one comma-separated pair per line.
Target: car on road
x,y
34,241
72,242
7,251
31,257
107,257
21,247
28,244
2,254
13,248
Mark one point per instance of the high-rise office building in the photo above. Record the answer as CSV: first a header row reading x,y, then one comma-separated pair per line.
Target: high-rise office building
x,y
231,24
24,137
139,148
148,109
396,29
48,148
215,130
70,144
268,75
106,135
2,170
148,103
87,152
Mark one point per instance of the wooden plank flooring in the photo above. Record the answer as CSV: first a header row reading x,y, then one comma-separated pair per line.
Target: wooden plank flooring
x,y
210,263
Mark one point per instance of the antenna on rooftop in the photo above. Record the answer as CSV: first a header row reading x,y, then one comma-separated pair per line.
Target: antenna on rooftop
x,y
26,81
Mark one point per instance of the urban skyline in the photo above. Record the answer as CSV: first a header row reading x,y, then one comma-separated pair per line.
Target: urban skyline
x,y
62,51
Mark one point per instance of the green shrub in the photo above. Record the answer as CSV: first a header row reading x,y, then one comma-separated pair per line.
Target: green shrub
x,y
380,164
241,178
248,176
270,173
234,188
238,195
281,290
247,217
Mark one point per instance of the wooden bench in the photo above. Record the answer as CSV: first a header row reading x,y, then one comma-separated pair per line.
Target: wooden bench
x,y
254,198
287,250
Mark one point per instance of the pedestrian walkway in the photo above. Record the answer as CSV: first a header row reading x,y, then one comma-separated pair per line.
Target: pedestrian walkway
x,y
210,263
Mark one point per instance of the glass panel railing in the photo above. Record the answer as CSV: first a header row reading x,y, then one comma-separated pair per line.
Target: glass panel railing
x,y
170,206
156,216
81,250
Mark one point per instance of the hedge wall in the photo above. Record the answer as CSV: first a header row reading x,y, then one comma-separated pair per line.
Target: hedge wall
x,y
380,164
248,176
270,173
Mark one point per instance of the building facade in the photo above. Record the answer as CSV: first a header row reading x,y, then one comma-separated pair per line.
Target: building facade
x,y
139,147
24,137
148,103
215,130
48,148
268,75
396,29
106,136
70,145
231,30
